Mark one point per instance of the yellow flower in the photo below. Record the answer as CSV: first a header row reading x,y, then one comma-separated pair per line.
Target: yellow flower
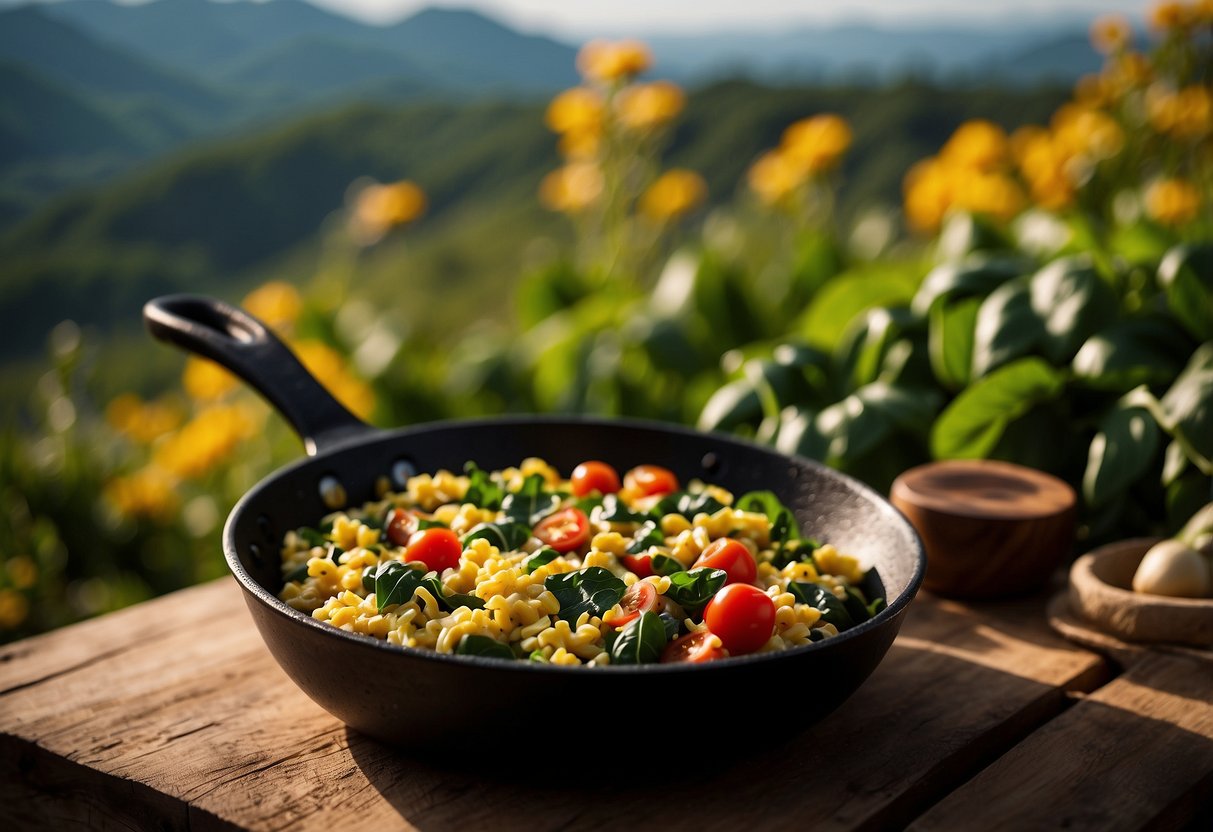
x,y
13,609
579,145
1045,165
1110,33
380,208
277,303
1127,71
1172,201
572,188
608,62
1187,114
332,371
1202,11
205,381
992,194
579,110
979,145
1168,15
773,177
649,106
928,193
206,440
1094,91
676,193
817,143
149,492
142,421
1084,131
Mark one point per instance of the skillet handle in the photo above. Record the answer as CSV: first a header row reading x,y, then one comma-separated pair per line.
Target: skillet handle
x,y
244,345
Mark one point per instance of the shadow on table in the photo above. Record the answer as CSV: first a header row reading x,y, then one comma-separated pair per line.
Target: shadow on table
x,y
925,722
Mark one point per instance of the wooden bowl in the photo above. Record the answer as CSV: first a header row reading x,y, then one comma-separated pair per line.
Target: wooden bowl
x,y
991,529
1100,592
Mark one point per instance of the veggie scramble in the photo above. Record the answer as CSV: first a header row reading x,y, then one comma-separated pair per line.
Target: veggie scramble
x,y
524,564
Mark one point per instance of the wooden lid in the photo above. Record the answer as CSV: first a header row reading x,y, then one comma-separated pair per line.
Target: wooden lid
x,y
983,489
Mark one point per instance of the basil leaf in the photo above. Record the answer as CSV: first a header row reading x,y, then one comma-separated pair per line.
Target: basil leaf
x,y
833,610
473,645
531,503
614,511
665,565
857,605
482,491
796,551
594,590
687,504
588,504
450,601
299,573
647,536
395,583
541,558
693,589
423,524
641,641
783,522
312,538
505,536
672,626
368,578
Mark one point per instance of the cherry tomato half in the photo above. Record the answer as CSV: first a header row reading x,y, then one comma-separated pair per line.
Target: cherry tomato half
x,y
743,616
640,597
438,549
592,476
733,557
400,525
650,480
641,565
693,648
564,531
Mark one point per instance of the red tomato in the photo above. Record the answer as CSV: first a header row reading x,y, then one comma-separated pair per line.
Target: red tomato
x,y
564,531
743,616
733,557
642,565
640,597
592,476
692,649
650,480
437,548
400,525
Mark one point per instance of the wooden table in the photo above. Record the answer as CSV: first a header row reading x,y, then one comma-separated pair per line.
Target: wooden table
x,y
172,715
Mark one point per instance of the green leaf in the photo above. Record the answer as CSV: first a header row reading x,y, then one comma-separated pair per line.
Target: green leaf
x,y
848,296
864,419
506,536
312,538
783,522
975,276
857,605
833,609
798,434
299,573
1120,453
950,341
665,565
736,403
482,491
647,536
687,504
640,641
672,626
1186,276
614,511
1188,409
691,590
473,645
395,583
594,590
867,342
450,601
1007,327
532,502
1130,353
541,558
796,551
972,424
1073,302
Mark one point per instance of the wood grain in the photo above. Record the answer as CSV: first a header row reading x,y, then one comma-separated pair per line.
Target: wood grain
x,y
176,714
1136,753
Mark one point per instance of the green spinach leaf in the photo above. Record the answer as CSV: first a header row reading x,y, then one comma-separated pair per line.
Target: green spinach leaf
x,y
541,558
833,610
482,491
531,503
594,590
687,504
473,645
691,590
395,583
647,535
783,522
450,601
672,626
641,641
665,565
312,538
614,511
505,536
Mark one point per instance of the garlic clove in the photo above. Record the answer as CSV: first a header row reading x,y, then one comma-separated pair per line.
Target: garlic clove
x,y
1172,568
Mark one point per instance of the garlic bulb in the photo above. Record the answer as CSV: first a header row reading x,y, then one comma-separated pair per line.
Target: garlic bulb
x,y
1172,568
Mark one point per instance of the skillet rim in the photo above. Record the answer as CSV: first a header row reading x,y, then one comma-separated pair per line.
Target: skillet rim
x,y
375,435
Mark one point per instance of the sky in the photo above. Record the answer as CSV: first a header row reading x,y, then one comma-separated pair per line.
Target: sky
x,y
582,18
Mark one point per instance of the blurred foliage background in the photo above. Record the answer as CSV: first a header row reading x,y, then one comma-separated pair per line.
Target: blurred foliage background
x,y
869,276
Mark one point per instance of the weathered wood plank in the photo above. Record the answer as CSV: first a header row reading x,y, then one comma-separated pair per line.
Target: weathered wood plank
x,y
202,715
1136,753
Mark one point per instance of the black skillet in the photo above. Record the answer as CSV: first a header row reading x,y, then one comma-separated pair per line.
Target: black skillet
x,y
423,698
